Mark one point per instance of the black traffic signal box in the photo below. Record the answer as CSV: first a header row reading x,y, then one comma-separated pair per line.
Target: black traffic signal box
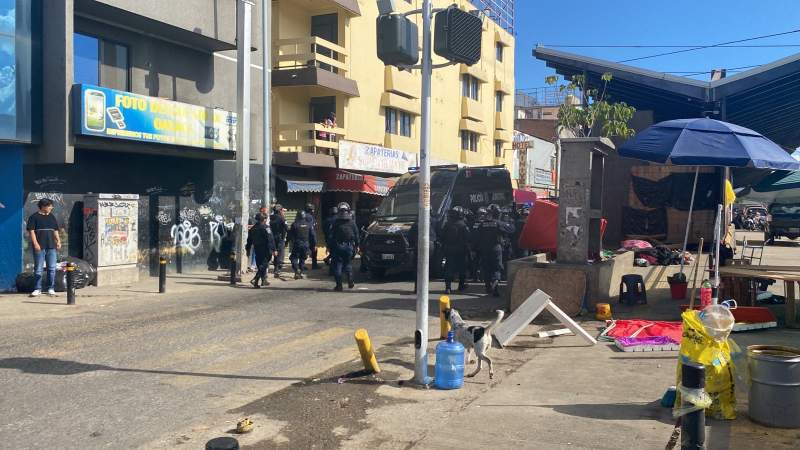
x,y
457,36
398,40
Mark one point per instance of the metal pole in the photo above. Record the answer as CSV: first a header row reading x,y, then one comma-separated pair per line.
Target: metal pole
x,y
689,217
717,239
693,425
266,54
70,284
243,72
162,275
423,244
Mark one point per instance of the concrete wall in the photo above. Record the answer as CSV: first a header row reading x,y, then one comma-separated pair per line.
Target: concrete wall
x,y
11,217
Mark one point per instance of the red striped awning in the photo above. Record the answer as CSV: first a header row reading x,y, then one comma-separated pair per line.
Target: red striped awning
x,y
337,180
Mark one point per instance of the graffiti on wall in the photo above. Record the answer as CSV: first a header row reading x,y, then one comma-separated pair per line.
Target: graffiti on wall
x,y
186,237
117,228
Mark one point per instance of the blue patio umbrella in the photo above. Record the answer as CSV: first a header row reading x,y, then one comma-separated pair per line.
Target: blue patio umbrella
x,y
706,142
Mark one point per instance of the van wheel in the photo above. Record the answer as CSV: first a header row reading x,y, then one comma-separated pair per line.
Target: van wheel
x,y
377,272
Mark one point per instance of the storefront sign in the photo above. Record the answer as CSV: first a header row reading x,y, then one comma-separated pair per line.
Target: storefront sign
x,y
374,158
124,115
542,177
338,180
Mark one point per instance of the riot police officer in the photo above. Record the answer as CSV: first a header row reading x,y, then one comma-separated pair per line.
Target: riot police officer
x,y
261,243
474,255
492,230
345,242
455,240
280,230
327,230
312,222
301,234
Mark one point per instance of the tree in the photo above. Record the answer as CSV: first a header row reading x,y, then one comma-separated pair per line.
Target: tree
x,y
594,113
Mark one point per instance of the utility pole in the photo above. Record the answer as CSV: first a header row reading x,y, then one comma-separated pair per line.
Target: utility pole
x,y
266,53
423,239
243,45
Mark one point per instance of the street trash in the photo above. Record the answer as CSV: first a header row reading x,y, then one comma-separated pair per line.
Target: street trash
x,y
668,399
647,344
641,262
603,311
244,426
705,341
449,369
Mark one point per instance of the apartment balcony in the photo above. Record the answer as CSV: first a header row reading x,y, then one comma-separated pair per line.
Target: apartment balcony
x,y
402,82
471,109
500,121
309,137
313,62
325,6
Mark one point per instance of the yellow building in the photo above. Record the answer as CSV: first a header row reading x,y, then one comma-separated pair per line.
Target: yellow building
x,y
325,61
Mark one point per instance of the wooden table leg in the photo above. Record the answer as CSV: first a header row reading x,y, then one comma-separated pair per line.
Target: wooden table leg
x,y
792,305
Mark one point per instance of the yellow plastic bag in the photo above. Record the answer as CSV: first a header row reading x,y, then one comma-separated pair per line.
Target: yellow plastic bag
x,y
698,346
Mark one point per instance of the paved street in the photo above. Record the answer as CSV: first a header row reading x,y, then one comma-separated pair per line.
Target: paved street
x,y
142,370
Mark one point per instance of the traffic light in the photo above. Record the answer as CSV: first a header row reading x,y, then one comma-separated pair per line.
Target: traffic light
x,y
398,41
457,36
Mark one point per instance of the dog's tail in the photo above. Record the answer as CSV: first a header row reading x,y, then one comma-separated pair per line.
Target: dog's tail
x,y
496,321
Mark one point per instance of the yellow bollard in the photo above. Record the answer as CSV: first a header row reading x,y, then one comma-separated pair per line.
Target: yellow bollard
x,y
365,348
444,324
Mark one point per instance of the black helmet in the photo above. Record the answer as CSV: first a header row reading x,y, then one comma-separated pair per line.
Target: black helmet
x,y
482,211
277,208
259,218
344,207
334,210
453,214
494,210
301,215
310,208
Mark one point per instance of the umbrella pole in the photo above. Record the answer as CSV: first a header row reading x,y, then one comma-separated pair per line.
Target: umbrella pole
x,y
689,217
717,239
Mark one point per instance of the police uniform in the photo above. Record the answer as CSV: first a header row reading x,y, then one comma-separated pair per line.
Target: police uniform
x,y
279,231
302,235
262,244
454,240
312,244
489,241
345,241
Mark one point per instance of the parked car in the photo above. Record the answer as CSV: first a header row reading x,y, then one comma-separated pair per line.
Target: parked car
x,y
783,220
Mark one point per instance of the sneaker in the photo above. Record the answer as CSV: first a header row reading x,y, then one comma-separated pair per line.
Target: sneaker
x,y
36,293
51,292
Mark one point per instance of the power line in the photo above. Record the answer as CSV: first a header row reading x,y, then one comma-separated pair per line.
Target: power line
x,y
674,46
721,44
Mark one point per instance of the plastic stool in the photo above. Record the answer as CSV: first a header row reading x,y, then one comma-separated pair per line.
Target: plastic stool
x,y
632,290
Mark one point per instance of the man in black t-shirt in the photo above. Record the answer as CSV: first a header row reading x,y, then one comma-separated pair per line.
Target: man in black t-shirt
x,y
43,230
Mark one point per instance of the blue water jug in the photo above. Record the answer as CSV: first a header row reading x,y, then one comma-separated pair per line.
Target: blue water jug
x,y
449,364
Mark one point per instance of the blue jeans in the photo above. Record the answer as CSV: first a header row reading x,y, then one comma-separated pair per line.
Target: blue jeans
x,y
46,255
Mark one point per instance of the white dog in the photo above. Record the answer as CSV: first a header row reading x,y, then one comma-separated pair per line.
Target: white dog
x,y
476,338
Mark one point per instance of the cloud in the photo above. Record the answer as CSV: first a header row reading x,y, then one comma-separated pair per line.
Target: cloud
x,y
8,22
8,90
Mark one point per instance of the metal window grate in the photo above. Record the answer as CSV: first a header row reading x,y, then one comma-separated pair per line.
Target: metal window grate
x,y
500,11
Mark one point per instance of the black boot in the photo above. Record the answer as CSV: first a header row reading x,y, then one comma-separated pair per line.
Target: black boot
x,y
297,275
350,283
338,287
447,288
254,282
462,286
496,288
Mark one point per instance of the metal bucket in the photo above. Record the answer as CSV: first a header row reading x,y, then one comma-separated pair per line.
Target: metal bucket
x,y
774,385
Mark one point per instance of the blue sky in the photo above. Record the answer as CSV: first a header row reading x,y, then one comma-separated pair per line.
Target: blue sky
x,y
652,22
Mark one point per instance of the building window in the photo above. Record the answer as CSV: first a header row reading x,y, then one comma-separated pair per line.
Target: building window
x,y
498,49
470,86
100,62
498,101
405,124
398,122
469,141
498,149
391,120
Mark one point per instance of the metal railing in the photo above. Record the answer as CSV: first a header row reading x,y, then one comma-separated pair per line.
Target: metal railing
x,y
311,51
313,136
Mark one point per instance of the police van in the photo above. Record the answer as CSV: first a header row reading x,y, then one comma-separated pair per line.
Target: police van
x,y
390,241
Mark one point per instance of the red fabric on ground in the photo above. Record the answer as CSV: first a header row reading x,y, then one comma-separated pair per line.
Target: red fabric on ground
x,y
626,328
